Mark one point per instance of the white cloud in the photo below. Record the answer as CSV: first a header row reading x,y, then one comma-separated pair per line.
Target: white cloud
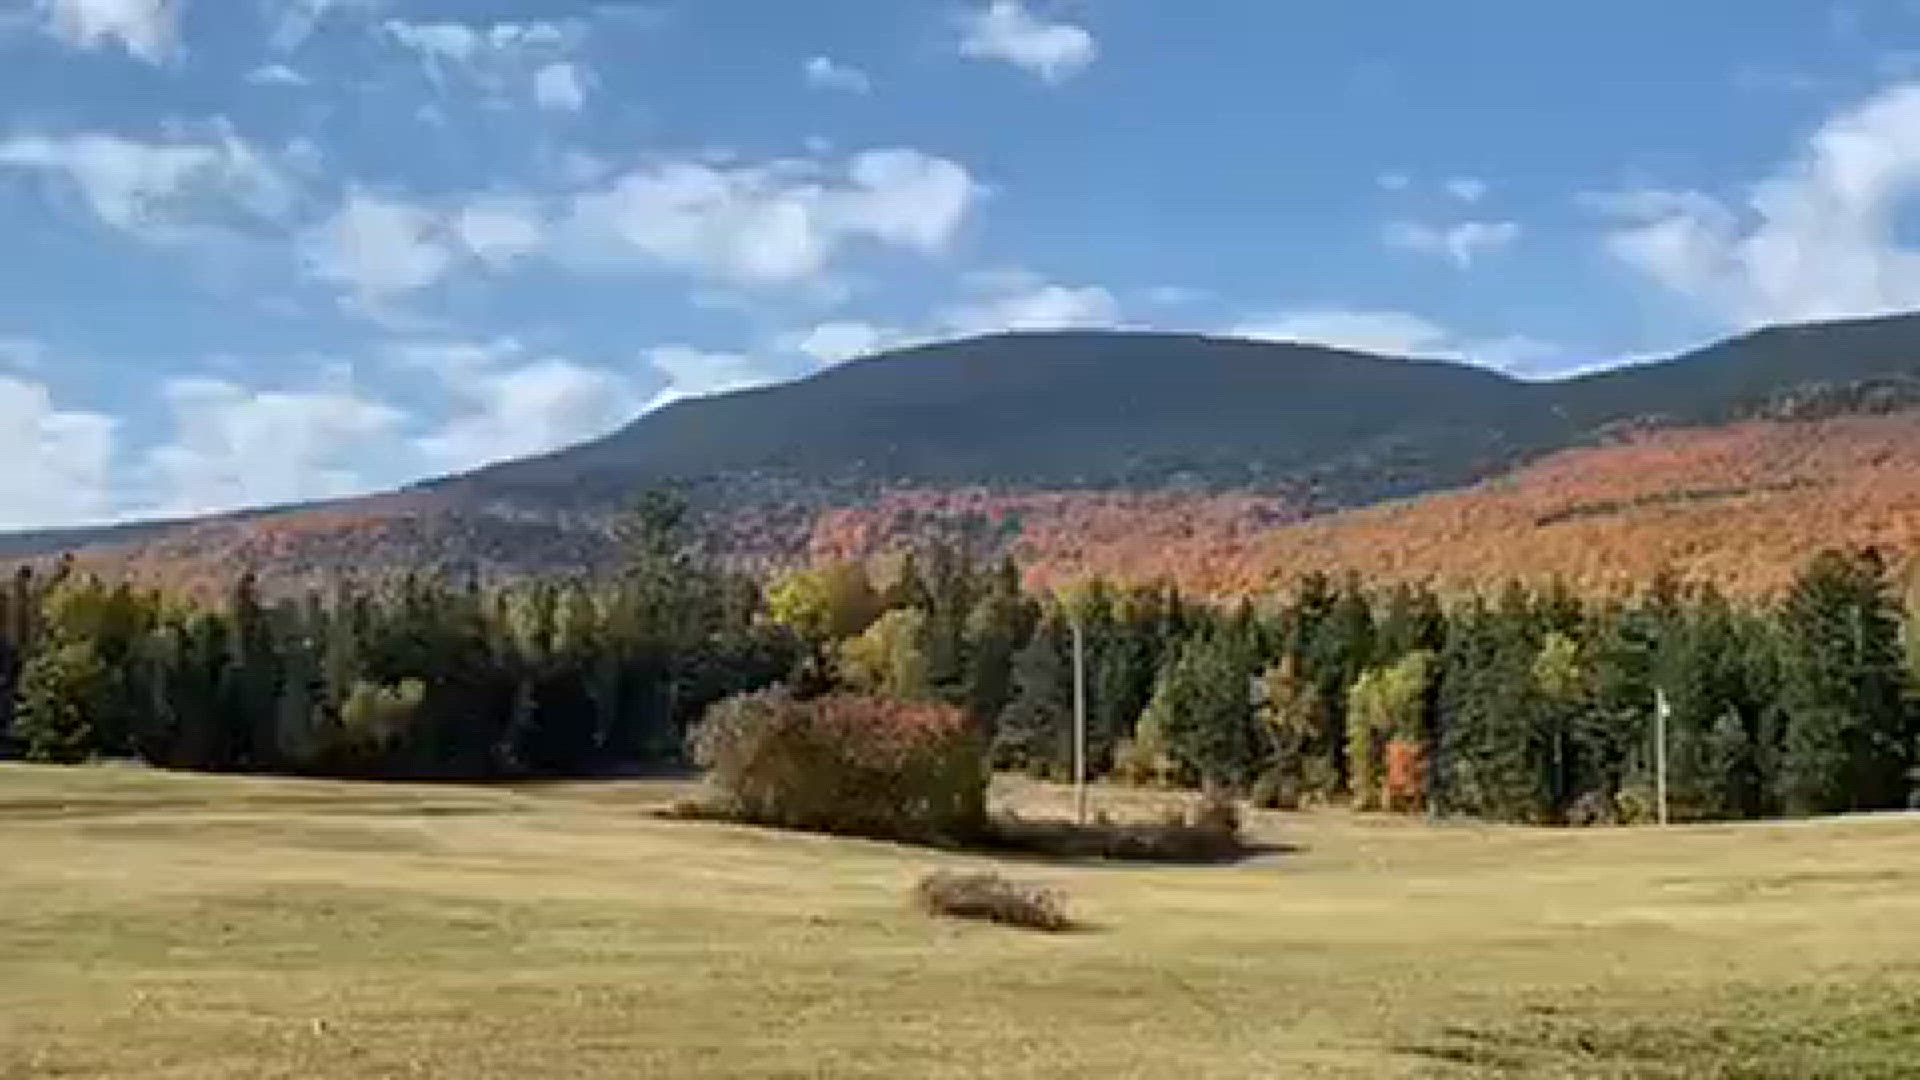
x,y
774,224
379,247
692,372
1018,300
1399,333
1005,30
1467,188
193,183
147,29
842,340
58,463
235,447
276,75
1461,244
500,229
525,406
437,43
779,223
1818,239
827,73
560,87
1393,333
504,62
294,21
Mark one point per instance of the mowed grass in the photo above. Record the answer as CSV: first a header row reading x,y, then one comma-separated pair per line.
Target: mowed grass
x,y
156,925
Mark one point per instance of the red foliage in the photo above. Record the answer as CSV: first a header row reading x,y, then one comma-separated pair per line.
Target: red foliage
x,y
1406,775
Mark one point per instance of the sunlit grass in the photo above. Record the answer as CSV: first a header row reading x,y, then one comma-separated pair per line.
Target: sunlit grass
x,y
154,925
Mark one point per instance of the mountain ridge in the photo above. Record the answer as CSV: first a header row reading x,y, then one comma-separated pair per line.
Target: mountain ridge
x,y
1117,426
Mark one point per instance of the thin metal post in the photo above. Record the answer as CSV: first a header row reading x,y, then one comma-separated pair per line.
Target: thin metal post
x,y
1079,724
1660,751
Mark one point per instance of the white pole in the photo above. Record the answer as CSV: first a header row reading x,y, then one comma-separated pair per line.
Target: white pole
x,y
1079,724
1660,751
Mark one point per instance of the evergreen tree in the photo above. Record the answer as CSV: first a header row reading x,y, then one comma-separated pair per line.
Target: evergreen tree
x,y
1848,740
1202,705
1035,732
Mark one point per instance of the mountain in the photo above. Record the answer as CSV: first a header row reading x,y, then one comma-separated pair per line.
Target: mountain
x,y
1076,450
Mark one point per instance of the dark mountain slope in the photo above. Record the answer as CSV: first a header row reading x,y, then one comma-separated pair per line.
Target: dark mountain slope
x,y
1061,409
1049,437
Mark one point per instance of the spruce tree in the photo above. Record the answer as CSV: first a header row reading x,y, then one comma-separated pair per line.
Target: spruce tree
x,y
1848,741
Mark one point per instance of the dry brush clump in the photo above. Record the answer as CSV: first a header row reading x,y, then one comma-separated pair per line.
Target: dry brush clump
x,y
1207,832
992,898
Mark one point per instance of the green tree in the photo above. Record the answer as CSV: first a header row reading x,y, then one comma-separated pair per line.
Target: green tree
x,y
1202,704
1848,741
1035,732
62,693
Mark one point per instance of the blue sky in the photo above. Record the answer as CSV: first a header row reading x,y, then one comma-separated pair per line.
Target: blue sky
x,y
273,250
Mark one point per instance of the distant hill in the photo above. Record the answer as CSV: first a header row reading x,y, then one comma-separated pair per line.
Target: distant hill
x,y
1059,446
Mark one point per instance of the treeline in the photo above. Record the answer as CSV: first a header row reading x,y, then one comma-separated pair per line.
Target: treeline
x,y
1532,704
425,676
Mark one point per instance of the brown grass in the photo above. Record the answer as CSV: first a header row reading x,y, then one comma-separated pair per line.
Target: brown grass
x,y
176,927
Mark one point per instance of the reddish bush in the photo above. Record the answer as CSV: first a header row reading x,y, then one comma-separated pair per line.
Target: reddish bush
x,y
1406,775
844,764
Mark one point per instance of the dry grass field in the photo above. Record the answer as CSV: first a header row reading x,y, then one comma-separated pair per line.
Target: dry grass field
x,y
157,926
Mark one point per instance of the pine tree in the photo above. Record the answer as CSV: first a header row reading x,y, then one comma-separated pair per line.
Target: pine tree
x,y
1035,731
1848,741
1202,705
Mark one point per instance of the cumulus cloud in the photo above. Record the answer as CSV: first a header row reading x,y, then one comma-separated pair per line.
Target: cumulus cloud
x,y
528,405
770,224
781,223
826,73
294,21
1018,300
1461,244
187,185
500,229
560,87
1817,239
146,29
59,462
842,340
378,247
1006,31
691,372
233,446
503,61
1398,333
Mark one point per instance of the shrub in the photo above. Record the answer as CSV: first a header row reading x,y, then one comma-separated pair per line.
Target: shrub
x,y
1210,832
992,898
845,764
1274,790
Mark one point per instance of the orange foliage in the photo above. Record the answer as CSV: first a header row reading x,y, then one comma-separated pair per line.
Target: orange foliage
x,y
1406,775
1743,505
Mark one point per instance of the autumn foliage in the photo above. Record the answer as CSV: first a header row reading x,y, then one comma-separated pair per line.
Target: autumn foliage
x,y
845,764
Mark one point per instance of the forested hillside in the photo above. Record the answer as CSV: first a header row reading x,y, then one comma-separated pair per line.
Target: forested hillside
x,y
1146,455
1521,703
